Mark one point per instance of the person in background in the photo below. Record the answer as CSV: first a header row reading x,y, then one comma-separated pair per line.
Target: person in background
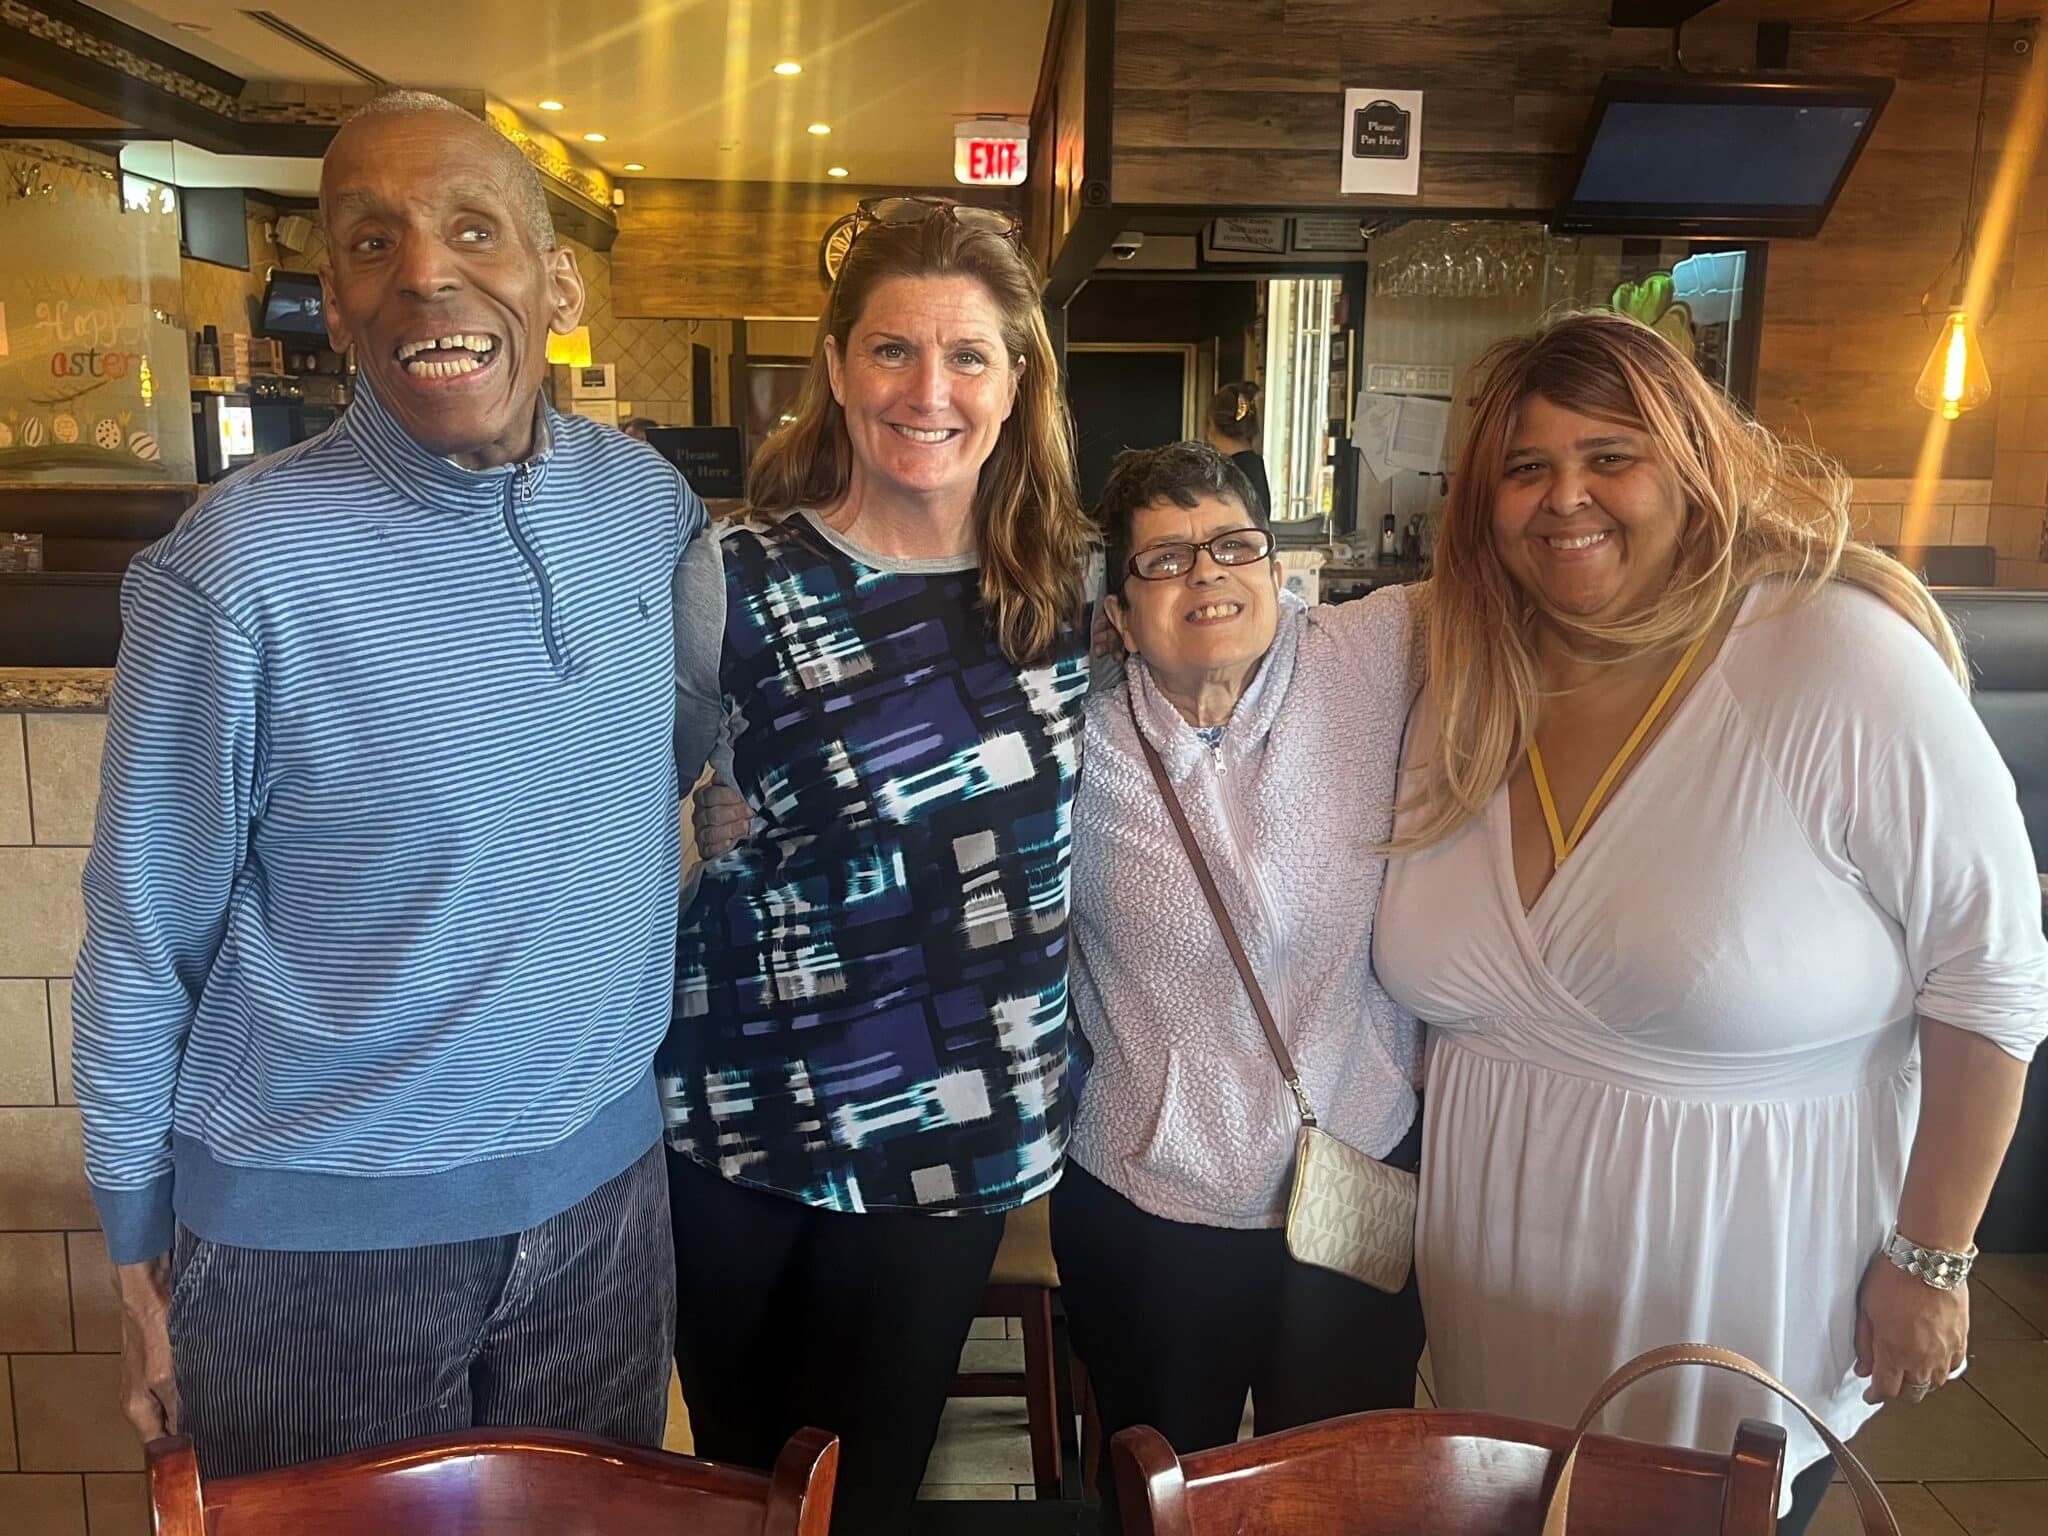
x,y
867,1064
1280,728
1233,427
1735,1058
637,427
380,909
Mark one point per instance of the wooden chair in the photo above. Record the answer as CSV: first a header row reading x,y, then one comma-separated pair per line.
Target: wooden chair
x,y
1021,1284
500,1482
1406,1472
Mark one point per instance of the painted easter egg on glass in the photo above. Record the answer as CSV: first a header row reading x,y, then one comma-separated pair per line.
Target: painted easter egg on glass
x,y
32,433
142,445
6,435
107,432
65,429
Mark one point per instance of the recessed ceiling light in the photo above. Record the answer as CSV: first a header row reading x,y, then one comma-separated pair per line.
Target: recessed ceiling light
x,y
191,26
820,128
549,105
837,170
633,165
593,138
789,67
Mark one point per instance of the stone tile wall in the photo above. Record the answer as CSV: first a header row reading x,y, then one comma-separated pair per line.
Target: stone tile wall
x,y
1959,512
652,356
68,1460
2019,379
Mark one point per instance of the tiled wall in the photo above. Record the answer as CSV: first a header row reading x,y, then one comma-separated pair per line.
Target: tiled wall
x,y
652,356
68,1460
2019,377
1959,512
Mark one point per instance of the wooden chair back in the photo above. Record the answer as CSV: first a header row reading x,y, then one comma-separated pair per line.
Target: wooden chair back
x,y
1408,1472
501,1482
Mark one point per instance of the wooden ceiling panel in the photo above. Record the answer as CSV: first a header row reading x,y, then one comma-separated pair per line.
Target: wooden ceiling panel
x,y
1890,13
23,106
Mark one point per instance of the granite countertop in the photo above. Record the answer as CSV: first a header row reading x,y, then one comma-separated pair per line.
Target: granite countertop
x,y
55,688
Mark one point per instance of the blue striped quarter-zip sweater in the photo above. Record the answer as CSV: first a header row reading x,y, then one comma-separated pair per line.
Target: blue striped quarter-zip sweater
x,y
381,905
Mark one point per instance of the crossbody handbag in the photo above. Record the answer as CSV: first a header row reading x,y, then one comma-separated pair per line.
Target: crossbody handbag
x,y
1347,1212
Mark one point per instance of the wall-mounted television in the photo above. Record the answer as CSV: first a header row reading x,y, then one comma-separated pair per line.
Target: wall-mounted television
x,y
1718,156
213,225
293,310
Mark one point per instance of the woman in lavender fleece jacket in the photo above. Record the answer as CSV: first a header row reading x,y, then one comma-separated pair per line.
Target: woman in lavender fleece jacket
x,y
1280,727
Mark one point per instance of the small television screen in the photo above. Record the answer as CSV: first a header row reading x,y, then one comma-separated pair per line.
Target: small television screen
x,y
213,225
292,308
1718,156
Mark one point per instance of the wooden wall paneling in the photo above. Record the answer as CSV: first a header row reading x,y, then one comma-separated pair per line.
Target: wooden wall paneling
x,y
23,106
1843,340
1070,220
1070,127
726,250
1220,108
703,249
1236,104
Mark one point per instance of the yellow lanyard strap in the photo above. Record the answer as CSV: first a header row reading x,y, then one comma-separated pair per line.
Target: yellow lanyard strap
x,y
1561,845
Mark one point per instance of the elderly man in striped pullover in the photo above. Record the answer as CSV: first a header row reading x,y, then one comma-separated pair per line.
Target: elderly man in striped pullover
x,y
381,906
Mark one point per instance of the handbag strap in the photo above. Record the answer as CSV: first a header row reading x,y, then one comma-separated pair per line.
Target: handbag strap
x,y
1876,1514
1208,883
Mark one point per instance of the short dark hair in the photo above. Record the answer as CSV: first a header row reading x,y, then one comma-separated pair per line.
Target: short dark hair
x,y
1182,473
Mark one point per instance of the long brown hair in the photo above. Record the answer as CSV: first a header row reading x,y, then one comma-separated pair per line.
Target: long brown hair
x,y
1033,539
1756,508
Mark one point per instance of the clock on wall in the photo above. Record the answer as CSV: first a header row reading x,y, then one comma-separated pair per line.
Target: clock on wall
x,y
832,249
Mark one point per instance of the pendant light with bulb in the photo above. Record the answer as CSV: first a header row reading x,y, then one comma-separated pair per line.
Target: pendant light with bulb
x,y
1955,379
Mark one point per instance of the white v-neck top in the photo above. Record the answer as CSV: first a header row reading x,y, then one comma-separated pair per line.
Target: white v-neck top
x,y
1674,1100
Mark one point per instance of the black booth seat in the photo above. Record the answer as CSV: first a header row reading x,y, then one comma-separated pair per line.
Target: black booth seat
x,y
2005,635
60,618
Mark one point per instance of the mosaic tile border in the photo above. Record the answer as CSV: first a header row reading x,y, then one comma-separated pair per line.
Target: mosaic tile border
x,y
47,28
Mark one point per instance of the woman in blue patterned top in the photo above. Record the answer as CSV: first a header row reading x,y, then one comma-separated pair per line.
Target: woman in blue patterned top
x,y
867,1064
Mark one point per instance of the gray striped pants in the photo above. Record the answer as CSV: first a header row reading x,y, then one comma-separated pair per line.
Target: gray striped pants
x,y
284,1357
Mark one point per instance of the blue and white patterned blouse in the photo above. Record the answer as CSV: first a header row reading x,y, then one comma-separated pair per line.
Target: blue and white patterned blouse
x,y
871,1005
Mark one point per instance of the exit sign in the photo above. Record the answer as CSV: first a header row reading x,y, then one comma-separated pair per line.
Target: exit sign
x,y
989,154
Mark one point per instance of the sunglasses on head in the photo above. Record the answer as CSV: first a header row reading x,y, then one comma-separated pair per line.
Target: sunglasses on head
x,y
897,212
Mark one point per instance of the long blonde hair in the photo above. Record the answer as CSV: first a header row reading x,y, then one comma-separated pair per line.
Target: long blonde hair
x,y
1033,538
1756,508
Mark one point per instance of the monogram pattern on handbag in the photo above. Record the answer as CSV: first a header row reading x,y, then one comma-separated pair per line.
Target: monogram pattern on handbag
x,y
1351,1213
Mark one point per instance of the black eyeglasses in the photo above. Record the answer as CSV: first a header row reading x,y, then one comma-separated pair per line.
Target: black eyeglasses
x,y
1163,562
898,211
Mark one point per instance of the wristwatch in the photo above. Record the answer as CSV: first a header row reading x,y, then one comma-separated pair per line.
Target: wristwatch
x,y
1931,1266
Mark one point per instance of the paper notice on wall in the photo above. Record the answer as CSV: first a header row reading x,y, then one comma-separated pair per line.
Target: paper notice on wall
x,y
1382,142
1400,432
1419,434
1373,424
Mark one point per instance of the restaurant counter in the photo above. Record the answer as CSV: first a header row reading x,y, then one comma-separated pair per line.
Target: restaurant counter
x,y
55,690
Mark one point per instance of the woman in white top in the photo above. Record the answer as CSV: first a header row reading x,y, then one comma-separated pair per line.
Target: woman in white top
x,y
1279,727
1717,1062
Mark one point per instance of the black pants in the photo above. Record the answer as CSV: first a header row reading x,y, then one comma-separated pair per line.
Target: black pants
x,y
788,1316
283,1357
1176,1322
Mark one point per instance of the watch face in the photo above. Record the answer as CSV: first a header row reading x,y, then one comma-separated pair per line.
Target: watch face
x,y
832,249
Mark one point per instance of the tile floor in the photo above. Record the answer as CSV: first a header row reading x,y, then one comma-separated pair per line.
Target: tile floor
x,y
1972,1460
